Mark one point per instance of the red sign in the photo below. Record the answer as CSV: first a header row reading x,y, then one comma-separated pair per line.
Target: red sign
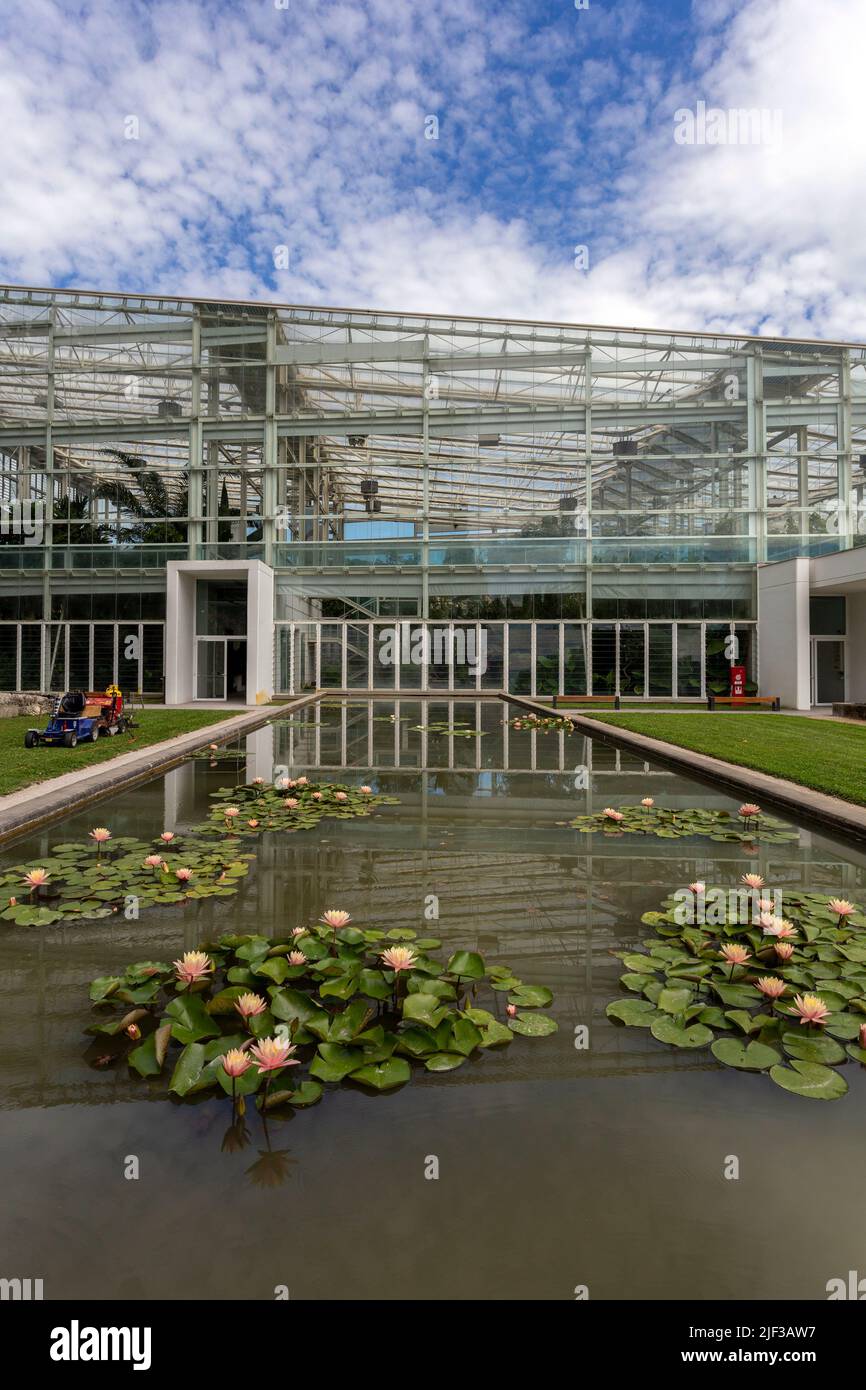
x,y
738,680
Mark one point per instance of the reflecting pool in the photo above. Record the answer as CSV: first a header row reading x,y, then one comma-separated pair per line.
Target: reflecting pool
x,y
558,1166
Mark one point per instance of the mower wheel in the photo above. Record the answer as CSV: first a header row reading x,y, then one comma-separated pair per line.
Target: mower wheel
x,y
70,738
31,738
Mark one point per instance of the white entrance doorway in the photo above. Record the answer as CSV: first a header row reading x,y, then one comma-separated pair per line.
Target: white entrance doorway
x,y
219,631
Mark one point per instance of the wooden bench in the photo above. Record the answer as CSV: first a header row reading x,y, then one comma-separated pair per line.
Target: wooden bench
x,y
562,701
774,701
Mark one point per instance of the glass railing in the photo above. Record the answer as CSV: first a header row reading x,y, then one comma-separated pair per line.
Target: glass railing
x,y
637,550
231,550
89,557
677,550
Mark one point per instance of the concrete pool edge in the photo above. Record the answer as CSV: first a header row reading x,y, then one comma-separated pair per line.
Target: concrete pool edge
x,y
38,804
830,812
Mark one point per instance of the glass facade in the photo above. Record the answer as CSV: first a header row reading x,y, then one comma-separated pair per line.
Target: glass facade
x,y
597,500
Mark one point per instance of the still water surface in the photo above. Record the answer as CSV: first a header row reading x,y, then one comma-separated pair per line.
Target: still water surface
x,y
557,1167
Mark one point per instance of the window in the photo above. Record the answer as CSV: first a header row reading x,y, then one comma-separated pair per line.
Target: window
x,y
827,616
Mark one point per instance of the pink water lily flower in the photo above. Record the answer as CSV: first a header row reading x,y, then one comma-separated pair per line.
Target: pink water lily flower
x,y
842,908
399,958
35,878
784,950
167,836
810,1009
235,1062
303,782
230,812
752,880
133,1032
366,790
341,796
335,917
192,966
183,875
297,958
100,834
697,888
299,931
317,796
749,809
612,814
250,1005
772,987
766,905
252,824
273,1053
511,1010
647,802
290,802
735,954
778,927
153,861
258,781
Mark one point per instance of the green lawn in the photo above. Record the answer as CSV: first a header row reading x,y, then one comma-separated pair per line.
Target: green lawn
x,y
19,766
816,753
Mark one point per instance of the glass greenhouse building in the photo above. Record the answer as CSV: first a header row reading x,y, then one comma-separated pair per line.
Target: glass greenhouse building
x,y
227,501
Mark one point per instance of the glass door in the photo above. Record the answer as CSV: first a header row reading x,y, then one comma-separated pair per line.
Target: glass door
x,y
210,668
828,670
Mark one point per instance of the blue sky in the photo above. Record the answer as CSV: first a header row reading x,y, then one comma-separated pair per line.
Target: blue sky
x,y
279,149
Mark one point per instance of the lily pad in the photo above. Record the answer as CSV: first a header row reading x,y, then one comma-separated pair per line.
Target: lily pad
x,y
751,1056
188,1069
810,1079
531,997
667,1030
635,1013
445,1061
384,1076
533,1025
813,1047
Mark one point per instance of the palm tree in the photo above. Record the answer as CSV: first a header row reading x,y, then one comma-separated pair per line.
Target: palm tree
x,y
150,499
73,525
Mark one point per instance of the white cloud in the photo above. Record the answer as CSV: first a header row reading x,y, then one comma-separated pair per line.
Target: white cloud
x,y
261,127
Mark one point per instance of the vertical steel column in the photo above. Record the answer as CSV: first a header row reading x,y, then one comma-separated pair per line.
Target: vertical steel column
x,y
269,443
847,519
48,499
757,447
425,481
195,533
587,435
